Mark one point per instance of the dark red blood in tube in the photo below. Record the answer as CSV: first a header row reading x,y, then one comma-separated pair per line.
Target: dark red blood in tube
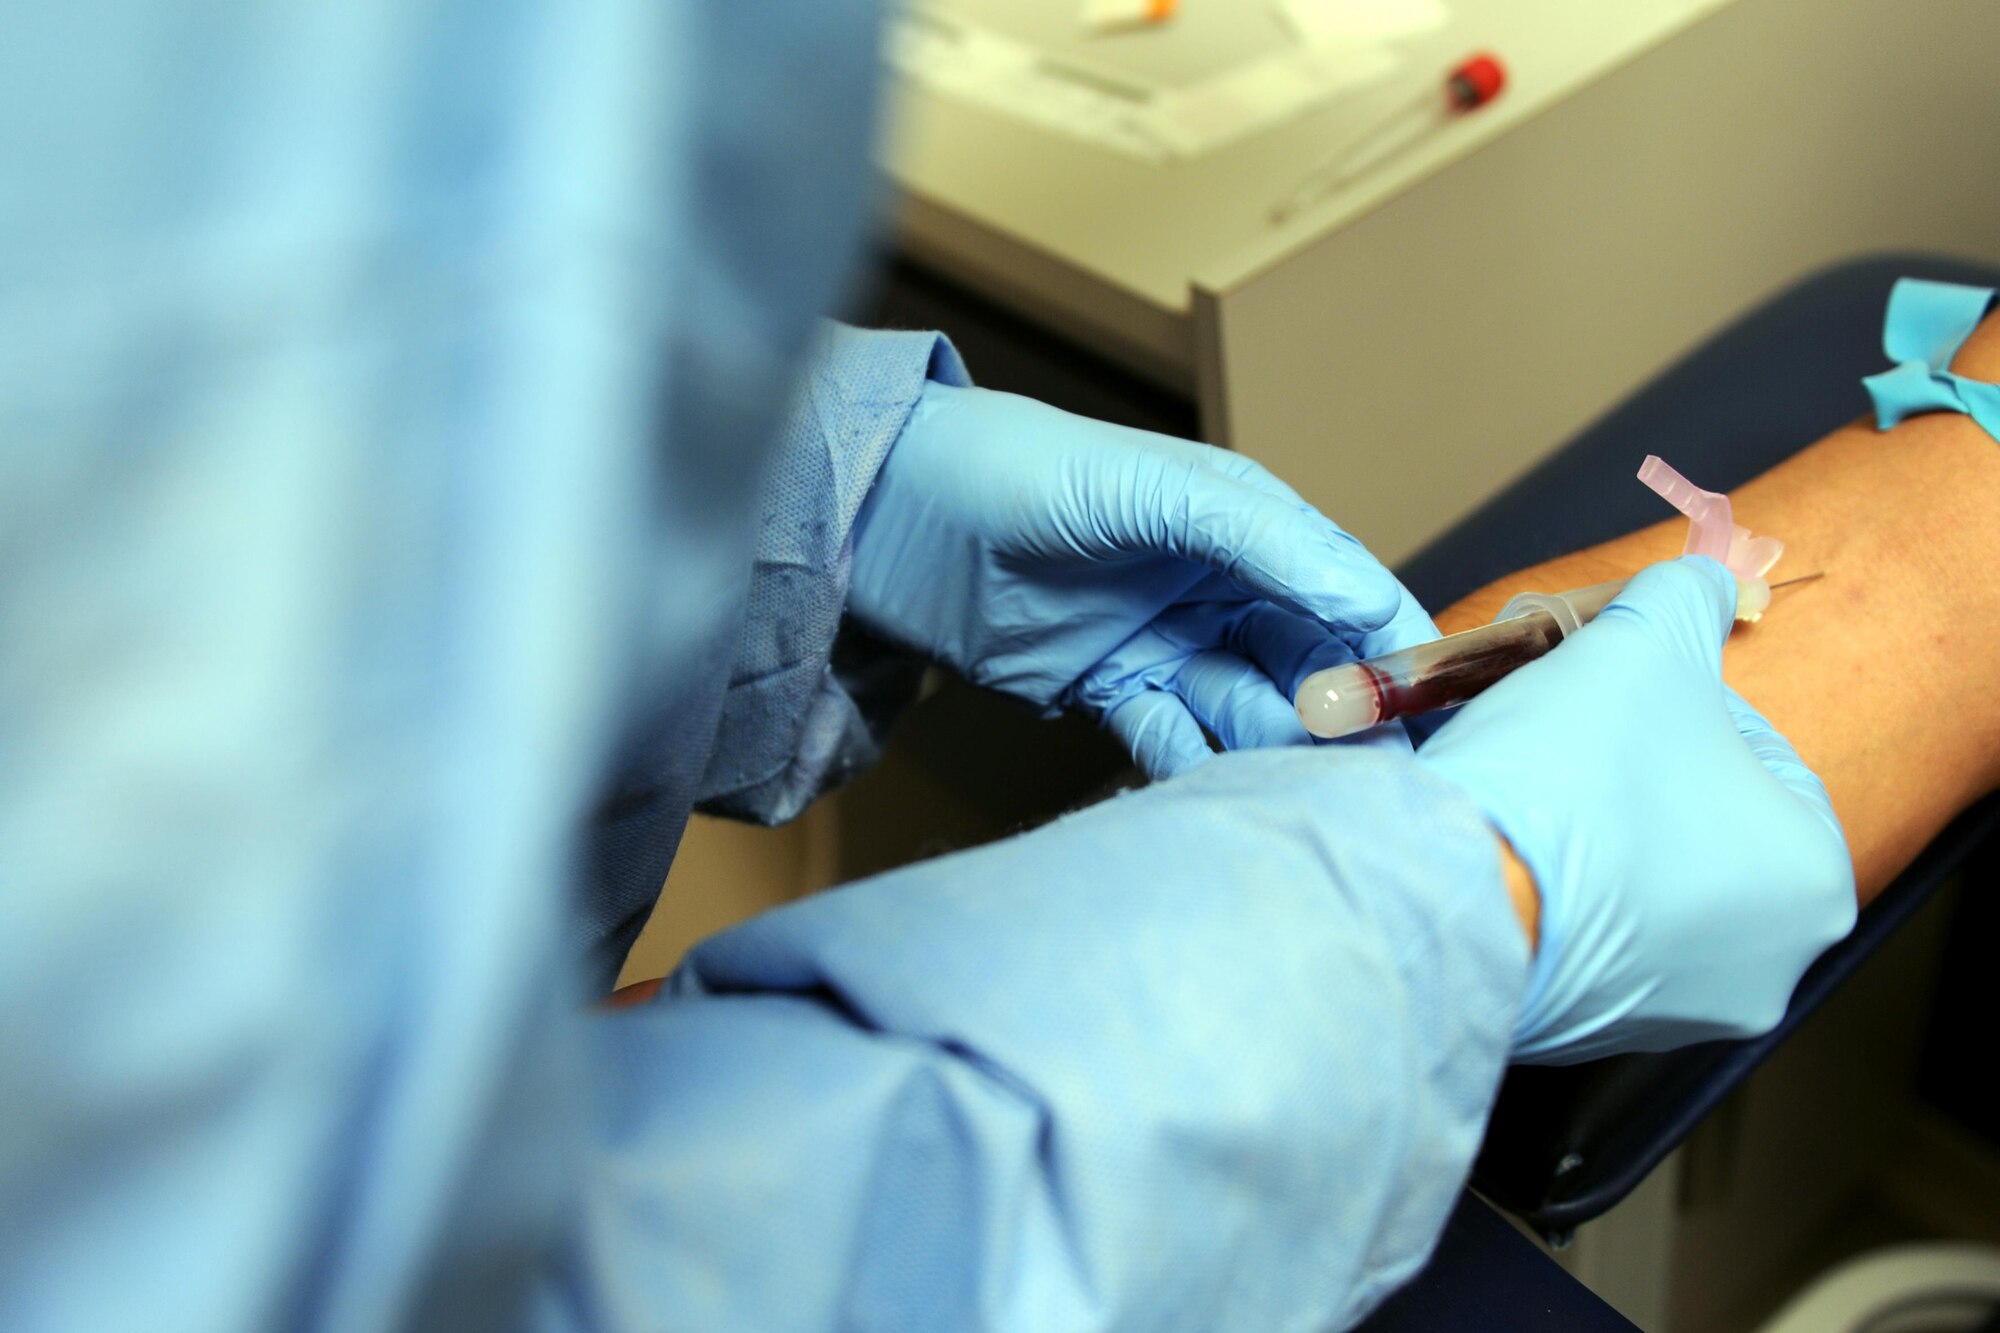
x,y
1464,674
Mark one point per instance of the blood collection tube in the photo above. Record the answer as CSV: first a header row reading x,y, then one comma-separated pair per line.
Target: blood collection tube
x,y
1468,85
1445,672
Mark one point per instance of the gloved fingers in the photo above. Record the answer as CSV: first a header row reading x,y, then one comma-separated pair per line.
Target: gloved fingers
x,y
1687,606
1777,756
1285,645
1818,864
1287,648
1281,551
1218,598
1149,657
1411,625
1159,733
1240,705
1235,664
1250,472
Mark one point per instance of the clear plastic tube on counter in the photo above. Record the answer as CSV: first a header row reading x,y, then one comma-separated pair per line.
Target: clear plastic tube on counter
x,y
1445,672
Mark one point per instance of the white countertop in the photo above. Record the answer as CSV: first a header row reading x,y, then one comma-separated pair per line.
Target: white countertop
x,y
979,182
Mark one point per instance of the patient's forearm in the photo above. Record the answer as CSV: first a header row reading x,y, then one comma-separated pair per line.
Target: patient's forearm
x,y
1886,673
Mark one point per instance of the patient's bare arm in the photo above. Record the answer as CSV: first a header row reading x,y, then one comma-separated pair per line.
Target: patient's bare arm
x,y
1886,673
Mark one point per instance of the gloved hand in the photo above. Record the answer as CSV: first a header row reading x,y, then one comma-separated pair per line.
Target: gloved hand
x,y
1158,584
1689,863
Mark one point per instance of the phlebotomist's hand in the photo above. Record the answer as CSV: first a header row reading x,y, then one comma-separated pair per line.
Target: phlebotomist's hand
x,y
1161,585
1689,864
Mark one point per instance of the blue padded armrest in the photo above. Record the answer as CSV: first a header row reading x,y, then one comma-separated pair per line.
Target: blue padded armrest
x,y
1565,1144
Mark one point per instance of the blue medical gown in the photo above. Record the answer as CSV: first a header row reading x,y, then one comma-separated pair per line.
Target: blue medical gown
x,y
401,530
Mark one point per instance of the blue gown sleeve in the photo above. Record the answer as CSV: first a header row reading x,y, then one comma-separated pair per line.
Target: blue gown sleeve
x,y
1213,1055
800,716
782,703
335,479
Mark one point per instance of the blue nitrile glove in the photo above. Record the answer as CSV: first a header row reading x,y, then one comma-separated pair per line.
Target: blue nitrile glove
x,y
1158,584
1690,865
